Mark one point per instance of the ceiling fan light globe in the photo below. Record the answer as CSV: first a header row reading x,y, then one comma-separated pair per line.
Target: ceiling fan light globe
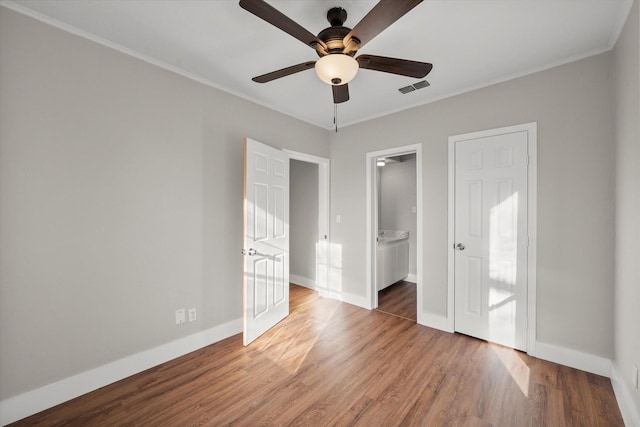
x,y
336,69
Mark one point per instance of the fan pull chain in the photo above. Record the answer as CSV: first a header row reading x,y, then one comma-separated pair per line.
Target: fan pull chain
x,y
335,116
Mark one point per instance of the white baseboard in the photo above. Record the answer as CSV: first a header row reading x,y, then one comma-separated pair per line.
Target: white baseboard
x,y
34,401
345,297
302,281
596,365
630,412
412,278
328,293
573,358
435,321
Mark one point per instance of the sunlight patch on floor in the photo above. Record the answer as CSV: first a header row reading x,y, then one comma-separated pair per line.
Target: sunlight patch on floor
x,y
519,371
288,344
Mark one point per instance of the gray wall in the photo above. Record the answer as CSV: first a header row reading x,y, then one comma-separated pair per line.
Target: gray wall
x,y
627,266
121,193
121,198
397,196
573,107
303,219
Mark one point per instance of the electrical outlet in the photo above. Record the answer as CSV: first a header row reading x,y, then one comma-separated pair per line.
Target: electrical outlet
x,y
192,314
634,376
180,316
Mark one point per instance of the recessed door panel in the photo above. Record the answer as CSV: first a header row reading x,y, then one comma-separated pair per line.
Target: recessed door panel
x,y
279,283
474,286
279,168
503,157
475,208
278,211
474,160
261,211
261,163
261,285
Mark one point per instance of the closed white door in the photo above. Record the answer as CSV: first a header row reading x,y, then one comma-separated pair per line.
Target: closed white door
x,y
266,238
491,238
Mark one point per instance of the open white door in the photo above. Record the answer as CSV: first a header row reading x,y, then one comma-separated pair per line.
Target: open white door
x,y
491,217
266,238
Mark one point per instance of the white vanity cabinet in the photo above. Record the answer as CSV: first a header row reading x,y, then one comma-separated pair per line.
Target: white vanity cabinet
x,y
392,262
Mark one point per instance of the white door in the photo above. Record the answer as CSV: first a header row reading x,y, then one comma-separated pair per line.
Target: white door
x,y
490,238
266,238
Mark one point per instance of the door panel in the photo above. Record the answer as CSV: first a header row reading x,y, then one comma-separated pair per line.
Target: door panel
x,y
266,239
491,238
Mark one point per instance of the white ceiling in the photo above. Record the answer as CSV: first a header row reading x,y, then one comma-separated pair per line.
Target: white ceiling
x,y
471,43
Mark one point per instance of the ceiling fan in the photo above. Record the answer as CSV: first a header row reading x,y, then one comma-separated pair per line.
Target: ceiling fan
x,y
337,45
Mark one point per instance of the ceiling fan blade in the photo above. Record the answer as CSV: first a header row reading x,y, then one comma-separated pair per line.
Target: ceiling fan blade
x,y
385,13
403,67
276,18
284,72
340,93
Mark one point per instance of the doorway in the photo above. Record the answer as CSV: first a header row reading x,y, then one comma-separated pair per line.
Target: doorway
x,y
492,208
309,221
394,237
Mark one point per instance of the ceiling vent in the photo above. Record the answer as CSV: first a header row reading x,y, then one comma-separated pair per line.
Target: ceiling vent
x,y
421,84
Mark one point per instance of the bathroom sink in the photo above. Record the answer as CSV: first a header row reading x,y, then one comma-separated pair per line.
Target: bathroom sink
x,y
388,236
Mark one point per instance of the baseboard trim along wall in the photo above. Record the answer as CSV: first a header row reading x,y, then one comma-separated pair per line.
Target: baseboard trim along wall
x,y
573,359
34,401
595,365
630,413
356,300
435,321
302,281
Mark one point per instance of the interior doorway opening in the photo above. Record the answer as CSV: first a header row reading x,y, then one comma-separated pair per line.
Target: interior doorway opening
x,y
309,221
394,224
396,238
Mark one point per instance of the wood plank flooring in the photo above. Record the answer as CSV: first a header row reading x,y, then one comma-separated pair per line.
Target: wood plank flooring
x,y
399,299
331,363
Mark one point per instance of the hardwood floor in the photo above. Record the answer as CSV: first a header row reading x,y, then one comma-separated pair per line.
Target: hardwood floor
x,y
331,363
399,299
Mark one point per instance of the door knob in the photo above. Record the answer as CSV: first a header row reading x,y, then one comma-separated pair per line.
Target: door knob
x,y
460,247
250,252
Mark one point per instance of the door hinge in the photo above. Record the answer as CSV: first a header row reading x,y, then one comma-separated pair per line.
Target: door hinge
x,y
325,237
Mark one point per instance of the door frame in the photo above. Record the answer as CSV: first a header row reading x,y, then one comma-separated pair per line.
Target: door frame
x,y
532,180
372,223
324,213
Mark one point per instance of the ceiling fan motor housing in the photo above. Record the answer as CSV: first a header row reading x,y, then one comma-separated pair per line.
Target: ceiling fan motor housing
x,y
333,36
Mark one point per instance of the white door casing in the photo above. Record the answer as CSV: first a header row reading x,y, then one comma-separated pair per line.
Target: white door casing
x,y
371,300
491,237
322,284
266,239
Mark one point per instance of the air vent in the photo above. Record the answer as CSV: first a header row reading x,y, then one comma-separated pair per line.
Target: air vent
x,y
413,87
406,89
